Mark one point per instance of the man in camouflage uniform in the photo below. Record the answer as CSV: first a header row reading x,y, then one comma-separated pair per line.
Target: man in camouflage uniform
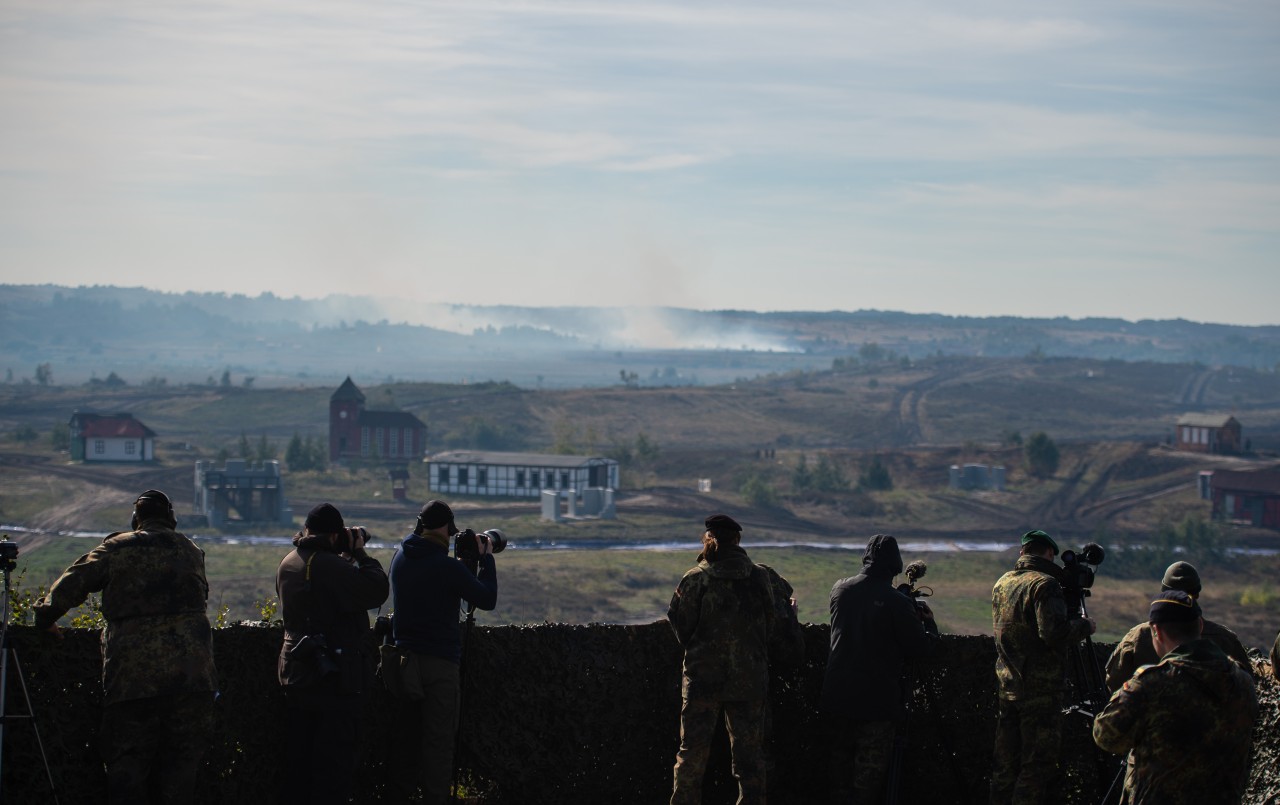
x,y
1136,650
1033,630
875,630
157,652
1275,657
723,615
1170,716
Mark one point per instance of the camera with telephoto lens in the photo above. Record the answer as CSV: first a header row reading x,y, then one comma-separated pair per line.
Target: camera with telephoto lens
x,y
467,543
347,538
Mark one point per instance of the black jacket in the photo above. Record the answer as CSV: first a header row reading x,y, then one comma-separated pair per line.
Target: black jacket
x,y
322,593
874,630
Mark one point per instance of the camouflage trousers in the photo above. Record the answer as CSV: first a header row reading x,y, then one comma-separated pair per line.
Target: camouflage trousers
x,y
860,756
153,747
1025,762
698,721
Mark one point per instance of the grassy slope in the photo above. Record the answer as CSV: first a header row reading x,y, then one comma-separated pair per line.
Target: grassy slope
x,y
952,411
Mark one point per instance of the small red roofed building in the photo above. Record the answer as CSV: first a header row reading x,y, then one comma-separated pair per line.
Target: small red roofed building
x,y
110,437
1246,497
1207,433
355,433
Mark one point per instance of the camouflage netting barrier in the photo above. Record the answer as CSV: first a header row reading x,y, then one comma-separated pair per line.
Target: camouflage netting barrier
x,y
555,714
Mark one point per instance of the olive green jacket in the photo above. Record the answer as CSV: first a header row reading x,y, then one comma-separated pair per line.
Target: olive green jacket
x,y
1136,650
1187,723
723,616
1032,630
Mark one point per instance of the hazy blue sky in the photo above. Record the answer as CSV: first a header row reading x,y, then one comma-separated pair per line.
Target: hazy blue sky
x,y
1103,158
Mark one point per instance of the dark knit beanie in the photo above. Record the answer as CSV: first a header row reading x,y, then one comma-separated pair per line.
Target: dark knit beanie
x,y
324,519
1181,576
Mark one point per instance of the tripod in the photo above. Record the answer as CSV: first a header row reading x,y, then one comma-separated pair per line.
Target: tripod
x,y
8,561
1090,686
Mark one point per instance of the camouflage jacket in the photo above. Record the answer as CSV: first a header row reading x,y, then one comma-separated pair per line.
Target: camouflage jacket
x,y
1032,630
1275,657
723,615
1187,723
157,640
1136,650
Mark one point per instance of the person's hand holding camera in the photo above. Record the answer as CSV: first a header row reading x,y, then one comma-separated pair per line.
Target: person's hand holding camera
x,y
356,538
486,546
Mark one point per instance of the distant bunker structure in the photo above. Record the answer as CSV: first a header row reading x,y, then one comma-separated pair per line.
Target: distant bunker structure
x,y
977,476
241,492
568,486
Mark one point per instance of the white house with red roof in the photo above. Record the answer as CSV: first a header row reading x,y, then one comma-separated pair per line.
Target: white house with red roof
x,y
110,437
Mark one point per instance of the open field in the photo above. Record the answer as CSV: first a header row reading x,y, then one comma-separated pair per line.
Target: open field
x,y
1117,481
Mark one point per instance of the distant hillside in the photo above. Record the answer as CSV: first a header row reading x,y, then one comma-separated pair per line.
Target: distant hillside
x,y
81,334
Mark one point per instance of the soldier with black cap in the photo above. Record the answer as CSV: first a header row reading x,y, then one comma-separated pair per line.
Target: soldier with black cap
x,y
724,615
326,585
157,652
1172,715
1136,649
428,586
1033,630
875,629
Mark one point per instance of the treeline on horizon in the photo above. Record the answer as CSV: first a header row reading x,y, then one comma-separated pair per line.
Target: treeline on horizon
x,y
89,331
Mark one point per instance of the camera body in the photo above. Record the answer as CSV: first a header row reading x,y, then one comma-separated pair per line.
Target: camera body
x,y
467,543
1078,573
347,538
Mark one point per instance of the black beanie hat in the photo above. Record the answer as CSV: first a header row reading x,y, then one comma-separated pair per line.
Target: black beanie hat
x,y
324,519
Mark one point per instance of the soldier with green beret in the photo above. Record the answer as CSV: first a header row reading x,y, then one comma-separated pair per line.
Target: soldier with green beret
x,y
1033,630
1171,715
158,676
1136,650
723,615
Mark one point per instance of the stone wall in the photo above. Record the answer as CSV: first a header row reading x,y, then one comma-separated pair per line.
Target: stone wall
x,y
554,714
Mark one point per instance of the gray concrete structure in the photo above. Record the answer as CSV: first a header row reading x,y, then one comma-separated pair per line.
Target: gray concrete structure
x,y
242,492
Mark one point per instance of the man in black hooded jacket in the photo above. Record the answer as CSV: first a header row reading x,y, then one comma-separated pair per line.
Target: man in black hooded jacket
x,y
875,629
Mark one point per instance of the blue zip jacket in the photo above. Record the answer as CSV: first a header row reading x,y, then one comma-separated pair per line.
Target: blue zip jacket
x,y
427,588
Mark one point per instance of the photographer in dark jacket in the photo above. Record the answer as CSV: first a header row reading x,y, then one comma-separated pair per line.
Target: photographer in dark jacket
x,y
875,629
423,673
326,586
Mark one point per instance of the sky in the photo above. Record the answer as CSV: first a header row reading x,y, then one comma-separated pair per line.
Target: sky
x,y
1107,158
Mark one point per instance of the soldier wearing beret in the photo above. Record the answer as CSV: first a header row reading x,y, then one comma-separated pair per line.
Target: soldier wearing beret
x,y
1033,630
1136,650
1170,716
157,652
723,615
